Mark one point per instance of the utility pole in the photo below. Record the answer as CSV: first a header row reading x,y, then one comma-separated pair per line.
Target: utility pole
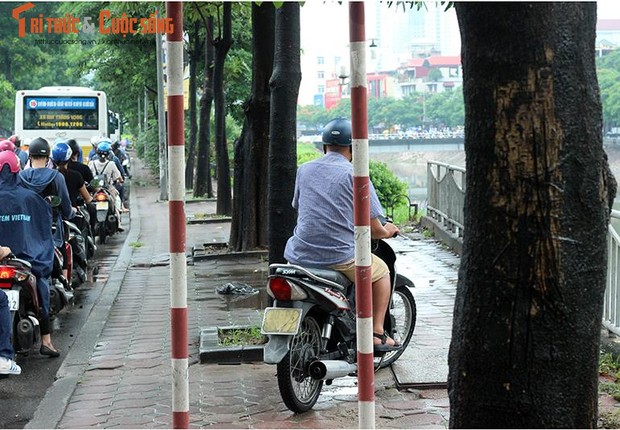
x,y
176,208
139,116
161,121
361,215
146,109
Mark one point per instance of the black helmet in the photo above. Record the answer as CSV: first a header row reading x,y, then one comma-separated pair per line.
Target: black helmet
x,y
337,132
39,147
75,148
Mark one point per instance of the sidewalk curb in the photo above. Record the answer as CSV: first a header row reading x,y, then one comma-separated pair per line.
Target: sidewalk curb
x,y
52,407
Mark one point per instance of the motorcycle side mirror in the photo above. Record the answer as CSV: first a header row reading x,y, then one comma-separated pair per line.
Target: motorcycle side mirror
x,y
96,182
54,201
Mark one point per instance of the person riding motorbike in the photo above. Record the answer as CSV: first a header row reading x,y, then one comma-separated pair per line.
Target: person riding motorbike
x,y
111,156
49,182
8,366
324,234
87,175
104,165
7,145
26,227
21,154
92,154
61,154
76,164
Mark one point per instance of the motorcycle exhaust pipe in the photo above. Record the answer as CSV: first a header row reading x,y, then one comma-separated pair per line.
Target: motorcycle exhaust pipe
x,y
330,369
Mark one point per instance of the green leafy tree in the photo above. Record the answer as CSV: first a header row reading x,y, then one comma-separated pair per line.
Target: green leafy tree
x,y
387,113
390,190
26,62
7,104
122,66
608,72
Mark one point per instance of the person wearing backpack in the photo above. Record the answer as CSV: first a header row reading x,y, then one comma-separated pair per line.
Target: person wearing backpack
x,y
105,166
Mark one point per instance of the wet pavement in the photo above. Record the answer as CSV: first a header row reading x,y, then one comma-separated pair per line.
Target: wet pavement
x,y
117,375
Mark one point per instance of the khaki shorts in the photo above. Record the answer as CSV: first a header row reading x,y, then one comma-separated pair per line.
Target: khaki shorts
x,y
378,267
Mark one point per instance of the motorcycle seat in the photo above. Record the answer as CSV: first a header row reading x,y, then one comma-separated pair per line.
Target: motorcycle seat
x,y
333,277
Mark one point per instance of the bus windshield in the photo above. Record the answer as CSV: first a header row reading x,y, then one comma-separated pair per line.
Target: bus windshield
x,y
68,113
52,113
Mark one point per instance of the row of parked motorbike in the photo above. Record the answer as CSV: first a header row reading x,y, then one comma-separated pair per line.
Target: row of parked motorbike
x,y
19,283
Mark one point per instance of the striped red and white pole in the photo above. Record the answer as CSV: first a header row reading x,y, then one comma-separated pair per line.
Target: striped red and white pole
x,y
361,207
176,202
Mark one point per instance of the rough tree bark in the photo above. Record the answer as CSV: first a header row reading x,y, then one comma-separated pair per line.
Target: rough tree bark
x,y
528,309
283,141
222,46
203,185
194,57
249,221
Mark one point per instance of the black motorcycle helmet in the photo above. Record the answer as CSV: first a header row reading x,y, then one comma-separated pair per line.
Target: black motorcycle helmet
x,y
39,147
75,148
337,132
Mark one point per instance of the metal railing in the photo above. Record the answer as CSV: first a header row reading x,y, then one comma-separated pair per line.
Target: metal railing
x,y
446,195
611,304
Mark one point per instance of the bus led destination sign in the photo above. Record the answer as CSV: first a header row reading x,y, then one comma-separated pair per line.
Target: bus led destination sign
x,y
39,103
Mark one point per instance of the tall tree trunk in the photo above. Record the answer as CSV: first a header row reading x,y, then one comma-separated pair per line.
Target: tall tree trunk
x,y
249,222
203,185
222,46
193,120
528,308
283,141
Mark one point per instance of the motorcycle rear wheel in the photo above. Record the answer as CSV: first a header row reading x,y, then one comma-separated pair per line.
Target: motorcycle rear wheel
x,y
297,388
403,311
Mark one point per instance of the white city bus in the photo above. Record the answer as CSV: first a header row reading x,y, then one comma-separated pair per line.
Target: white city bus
x,y
62,112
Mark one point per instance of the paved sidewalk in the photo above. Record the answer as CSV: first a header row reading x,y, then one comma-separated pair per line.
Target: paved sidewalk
x,y
118,372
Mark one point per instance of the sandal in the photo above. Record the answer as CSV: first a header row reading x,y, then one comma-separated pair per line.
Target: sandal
x,y
383,346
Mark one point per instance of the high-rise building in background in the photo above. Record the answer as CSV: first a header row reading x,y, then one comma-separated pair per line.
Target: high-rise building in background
x,y
395,35
409,50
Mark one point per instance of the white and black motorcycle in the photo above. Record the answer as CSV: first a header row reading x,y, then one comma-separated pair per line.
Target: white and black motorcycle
x,y
312,331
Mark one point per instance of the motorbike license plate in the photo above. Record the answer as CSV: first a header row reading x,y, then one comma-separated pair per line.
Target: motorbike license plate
x,y
102,206
281,321
13,296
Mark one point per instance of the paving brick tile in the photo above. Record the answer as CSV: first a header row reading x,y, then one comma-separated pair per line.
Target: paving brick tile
x,y
419,420
406,405
83,422
96,407
125,421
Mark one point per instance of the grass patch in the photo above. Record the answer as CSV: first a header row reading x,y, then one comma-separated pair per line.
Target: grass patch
x,y
609,366
241,336
402,214
209,216
610,420
136,244
307,152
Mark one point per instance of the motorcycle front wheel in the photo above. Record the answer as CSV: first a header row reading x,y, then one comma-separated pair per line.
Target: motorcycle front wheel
x,y
403,313
297,388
